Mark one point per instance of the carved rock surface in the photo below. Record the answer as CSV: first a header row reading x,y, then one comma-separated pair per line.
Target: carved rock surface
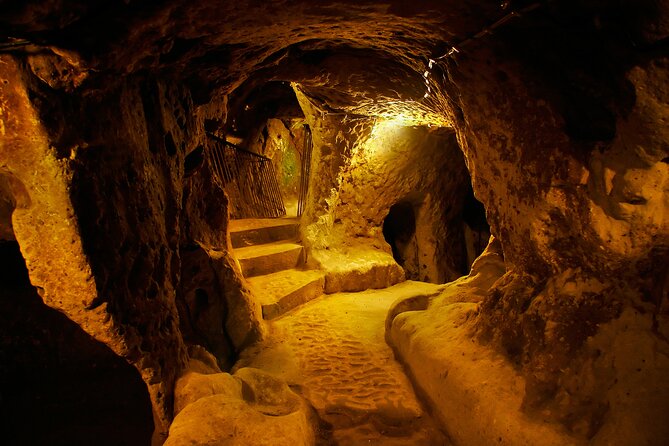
x,y
560,111
250,407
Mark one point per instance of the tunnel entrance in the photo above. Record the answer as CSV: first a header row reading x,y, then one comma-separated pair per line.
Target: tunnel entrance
x,y
267,120
58,386
285,142
476,227
399,230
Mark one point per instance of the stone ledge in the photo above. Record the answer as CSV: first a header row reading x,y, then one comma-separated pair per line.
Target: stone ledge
x,y
357,269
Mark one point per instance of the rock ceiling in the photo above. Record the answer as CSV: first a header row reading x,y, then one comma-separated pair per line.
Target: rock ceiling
x,y
352,56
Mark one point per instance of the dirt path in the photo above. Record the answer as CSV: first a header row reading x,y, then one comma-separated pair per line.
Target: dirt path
x,y
333,350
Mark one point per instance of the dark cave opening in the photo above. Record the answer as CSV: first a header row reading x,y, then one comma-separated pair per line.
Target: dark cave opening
x,y
476,227
399,230
193,161
59,386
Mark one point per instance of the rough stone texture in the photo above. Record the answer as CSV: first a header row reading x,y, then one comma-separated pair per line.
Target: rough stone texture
x,y
399,164
215,46
194,386
360,170
560,113
572,168
216,309
50,237
122,180
332,349
121,177
202,361
7,206
53,372
136,202
250,407
357,269
466,382
43,219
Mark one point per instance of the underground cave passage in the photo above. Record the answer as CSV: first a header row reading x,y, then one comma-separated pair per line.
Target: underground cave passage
x,y
267,121
286,223
399,230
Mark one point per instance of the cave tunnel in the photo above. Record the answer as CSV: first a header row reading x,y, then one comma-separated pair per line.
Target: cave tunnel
x,y
334,223
477,229
399,228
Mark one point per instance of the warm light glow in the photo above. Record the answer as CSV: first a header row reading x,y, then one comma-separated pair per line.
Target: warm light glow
x,y
431,109
420,112
381,137
393,122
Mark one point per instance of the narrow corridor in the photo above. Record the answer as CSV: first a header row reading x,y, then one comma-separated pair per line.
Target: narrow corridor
x,y
332,351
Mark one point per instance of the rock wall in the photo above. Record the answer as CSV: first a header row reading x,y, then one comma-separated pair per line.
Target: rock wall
x,y
402,164
566,147
57,383
362,167
97,180
560,114
216,309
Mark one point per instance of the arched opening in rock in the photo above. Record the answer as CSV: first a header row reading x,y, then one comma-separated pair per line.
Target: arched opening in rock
x,y
476,227
58,385
283,141
266,119
399,230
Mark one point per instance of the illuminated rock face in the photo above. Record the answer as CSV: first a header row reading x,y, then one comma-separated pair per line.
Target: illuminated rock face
x,y
395,164
561,116
576,207
98,217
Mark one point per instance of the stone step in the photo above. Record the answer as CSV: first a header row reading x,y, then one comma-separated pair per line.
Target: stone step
x,y
257,231
259,260
282,291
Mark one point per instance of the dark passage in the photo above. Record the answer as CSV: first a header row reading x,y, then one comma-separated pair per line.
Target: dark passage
x,y
58,386
399,230
477,229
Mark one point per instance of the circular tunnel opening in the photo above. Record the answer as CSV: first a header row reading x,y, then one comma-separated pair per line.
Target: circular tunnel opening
x,y
399,230
58,385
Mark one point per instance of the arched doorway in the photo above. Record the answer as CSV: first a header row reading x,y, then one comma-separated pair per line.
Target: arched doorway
x,y
399,230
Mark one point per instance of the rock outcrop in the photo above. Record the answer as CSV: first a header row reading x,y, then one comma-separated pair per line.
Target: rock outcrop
x,y
250,407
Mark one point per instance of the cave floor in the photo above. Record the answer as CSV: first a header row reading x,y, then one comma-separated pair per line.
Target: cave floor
x,y
332,350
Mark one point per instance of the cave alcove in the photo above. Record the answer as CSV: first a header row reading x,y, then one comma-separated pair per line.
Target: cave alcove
x,y
476,227
266,119
399,230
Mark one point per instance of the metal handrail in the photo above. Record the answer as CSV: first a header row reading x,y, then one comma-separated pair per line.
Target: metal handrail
x,y
236,147
305,170
248,178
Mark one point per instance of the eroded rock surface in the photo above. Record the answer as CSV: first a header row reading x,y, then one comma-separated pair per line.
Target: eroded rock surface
x,y
559,108
250,407
333,350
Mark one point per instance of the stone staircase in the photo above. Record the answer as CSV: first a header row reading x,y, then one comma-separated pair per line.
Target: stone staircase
x,y
273,263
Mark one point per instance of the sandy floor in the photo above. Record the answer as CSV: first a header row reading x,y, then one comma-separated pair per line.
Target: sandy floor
x,y
333,351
